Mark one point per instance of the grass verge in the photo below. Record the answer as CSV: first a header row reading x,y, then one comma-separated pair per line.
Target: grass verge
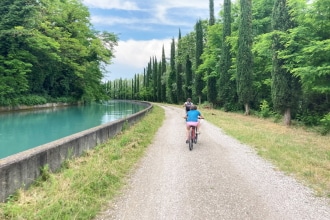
x,y
84,185
294,150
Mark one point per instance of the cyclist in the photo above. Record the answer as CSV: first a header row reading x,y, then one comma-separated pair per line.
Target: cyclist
x,y
188,104
192,119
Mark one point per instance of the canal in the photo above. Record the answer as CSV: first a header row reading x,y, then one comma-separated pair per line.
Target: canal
x,y
23,130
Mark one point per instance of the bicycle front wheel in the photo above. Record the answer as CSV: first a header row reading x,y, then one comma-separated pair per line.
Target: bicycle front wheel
x,y
191,139
191,144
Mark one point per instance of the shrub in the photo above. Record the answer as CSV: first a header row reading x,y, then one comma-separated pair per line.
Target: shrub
x,y
265,111
325,124
32,100
309,118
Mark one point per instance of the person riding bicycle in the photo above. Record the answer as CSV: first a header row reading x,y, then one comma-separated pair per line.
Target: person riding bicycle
x,y
188,104
192,119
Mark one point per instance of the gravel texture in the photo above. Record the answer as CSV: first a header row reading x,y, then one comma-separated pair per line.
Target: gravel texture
x,y
219,179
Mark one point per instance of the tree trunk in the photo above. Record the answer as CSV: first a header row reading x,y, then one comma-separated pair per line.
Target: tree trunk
x,y
247,109
287,117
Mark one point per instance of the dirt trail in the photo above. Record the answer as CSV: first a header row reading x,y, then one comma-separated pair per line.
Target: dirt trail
x,y
219,179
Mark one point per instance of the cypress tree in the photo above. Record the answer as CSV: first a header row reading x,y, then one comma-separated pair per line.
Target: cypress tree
x,y
133,88
163,76
199,85
211,8
179,71
172,76
144,77
244,56
285,86
189,77
138,86
154,79
226,91
159,82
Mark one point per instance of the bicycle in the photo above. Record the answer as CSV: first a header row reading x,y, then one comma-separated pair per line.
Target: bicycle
x,y
193,136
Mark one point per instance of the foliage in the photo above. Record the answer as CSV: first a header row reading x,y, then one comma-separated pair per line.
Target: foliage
x,y
265,110
198,77
48,48
171,85
225,62
290,54
325,123
244,56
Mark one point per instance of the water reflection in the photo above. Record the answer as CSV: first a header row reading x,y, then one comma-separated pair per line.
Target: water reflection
x,y
24,130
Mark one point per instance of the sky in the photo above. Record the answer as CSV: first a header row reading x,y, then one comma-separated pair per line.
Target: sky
x,y
144,27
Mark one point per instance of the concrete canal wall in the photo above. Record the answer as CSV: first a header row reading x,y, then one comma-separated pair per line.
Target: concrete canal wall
x,y
33,107
22,169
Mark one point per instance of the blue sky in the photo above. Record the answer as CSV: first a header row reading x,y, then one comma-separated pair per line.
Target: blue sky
x,y
143,27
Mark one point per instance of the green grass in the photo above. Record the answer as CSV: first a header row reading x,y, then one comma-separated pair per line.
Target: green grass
x,y
85,184
88,183
295,150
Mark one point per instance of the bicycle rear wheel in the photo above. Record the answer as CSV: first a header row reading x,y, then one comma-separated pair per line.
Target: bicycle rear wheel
x,y
191,140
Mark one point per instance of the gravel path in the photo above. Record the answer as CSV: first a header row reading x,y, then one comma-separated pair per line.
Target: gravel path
x,y
219,179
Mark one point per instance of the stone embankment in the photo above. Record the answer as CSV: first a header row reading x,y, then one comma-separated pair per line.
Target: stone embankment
x,y
32,107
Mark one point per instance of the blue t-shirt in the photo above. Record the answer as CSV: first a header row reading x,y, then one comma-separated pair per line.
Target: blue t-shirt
x,y
192,115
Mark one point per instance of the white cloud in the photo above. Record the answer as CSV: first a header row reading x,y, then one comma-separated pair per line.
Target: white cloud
x,y
144,19
132,57
110,20
158,11
111,4
137,53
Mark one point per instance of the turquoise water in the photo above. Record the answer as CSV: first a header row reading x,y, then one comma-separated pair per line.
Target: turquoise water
x,y
24,130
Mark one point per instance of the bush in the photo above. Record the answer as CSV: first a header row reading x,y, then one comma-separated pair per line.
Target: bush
x,y
325,124
309,118
265,111
32,100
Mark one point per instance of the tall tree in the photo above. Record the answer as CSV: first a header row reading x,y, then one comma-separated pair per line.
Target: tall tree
x,y
244,56
16,29
163,76
159,82
171,85
284,84
154,79
189,77
309,53
179,71
198,82
211,9
210,65
226,85
262,56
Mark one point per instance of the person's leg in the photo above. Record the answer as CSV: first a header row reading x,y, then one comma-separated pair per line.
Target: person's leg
x,y
198,127
187,132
